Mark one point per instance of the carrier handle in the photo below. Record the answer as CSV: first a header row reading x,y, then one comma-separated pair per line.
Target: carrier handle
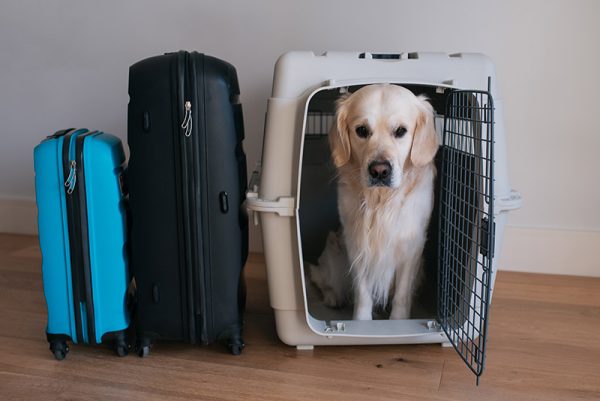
x,y
344,83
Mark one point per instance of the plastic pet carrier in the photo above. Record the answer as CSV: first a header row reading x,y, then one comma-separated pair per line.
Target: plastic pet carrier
x,y
293,196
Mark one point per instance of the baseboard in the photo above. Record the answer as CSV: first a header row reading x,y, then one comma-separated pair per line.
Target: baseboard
x,y
535,250
551,251
18,215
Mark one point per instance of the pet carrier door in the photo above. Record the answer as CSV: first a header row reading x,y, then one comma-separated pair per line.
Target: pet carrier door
x,y
466,223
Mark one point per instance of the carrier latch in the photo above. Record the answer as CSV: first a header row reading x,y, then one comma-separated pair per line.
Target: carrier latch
x,y
283,206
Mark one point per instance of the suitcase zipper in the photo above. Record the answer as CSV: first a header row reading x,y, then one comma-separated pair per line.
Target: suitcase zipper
x,y
78,239
199,273
192,201
188,199
84,237
73,242
198,200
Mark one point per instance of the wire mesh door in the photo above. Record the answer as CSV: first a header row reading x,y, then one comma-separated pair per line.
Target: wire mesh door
x,y
466,224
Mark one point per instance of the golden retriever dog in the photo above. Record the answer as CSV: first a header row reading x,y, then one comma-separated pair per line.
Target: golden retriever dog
x,y
383,144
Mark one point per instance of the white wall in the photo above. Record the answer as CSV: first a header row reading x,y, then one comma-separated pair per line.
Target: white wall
x,y
65,63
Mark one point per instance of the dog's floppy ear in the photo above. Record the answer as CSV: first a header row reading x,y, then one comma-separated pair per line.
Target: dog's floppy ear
x,y
425,141
339,139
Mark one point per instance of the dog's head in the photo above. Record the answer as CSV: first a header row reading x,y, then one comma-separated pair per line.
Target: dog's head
x,y
381,131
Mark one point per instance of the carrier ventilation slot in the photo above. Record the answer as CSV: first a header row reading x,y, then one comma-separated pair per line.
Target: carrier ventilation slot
x,y
380,56
318,123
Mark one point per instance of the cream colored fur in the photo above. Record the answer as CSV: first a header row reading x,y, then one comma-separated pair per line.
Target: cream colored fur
x,y
384,227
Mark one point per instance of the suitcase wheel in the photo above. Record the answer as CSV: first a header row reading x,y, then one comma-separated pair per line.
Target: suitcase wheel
x,y
143,347
121,345
60,349
122,350
235,348
144,351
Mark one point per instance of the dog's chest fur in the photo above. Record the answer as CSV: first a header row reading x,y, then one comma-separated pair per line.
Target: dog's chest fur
x,y
385,229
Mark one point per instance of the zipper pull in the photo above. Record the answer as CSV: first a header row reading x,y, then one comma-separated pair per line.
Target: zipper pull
x,y
187,119
72,178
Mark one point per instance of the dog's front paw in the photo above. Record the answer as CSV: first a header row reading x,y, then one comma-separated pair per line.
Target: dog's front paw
x,y
331,299
361,313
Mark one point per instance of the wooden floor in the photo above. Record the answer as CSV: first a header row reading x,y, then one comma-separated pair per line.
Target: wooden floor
x,y
544,344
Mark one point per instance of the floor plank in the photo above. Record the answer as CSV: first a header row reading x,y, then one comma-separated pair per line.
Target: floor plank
x,y
543,345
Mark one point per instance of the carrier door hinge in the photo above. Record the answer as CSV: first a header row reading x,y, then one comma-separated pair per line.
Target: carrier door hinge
x,y
335,327
283,205
433,325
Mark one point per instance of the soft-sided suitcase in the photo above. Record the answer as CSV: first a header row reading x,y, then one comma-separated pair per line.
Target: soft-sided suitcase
x,y
187,182
81,219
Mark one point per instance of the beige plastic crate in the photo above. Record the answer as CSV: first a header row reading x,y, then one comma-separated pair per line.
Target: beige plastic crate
x,y
275,192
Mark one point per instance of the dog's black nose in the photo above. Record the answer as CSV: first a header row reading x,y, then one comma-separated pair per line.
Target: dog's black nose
x,y
380,172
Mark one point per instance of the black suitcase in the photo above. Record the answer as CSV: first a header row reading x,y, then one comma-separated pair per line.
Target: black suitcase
x,y
187,183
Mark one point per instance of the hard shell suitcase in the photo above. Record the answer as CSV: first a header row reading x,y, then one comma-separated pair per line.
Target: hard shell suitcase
x,y
81,219
187,182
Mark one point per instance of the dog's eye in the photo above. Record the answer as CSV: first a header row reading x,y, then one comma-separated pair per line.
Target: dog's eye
x,y
362,131
400,131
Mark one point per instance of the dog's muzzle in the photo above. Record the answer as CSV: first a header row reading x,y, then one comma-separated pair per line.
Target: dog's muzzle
x,y
380,173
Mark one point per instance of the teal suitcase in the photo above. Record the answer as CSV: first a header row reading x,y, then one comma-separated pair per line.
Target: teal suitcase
x,y
82,232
